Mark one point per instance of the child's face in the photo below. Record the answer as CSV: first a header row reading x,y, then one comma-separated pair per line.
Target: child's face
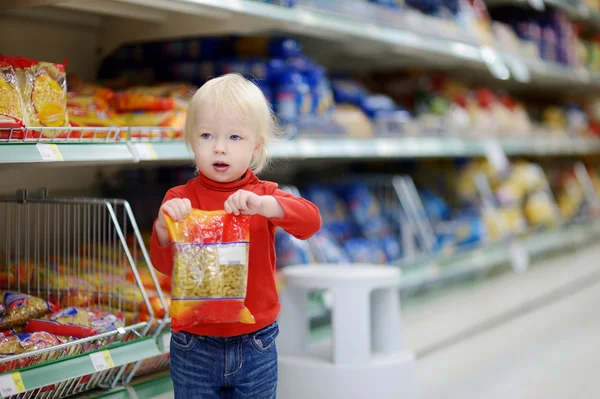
x,y
223,146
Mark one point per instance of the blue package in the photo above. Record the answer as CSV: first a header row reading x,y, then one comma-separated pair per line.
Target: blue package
x,y
375,105
347,91
365,250
365,210
435,207
470,231
292,99
326,249
284,47
330,205
385,3
392,248
290,250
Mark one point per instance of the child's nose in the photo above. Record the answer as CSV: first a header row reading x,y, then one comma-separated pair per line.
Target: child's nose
x,y
220,147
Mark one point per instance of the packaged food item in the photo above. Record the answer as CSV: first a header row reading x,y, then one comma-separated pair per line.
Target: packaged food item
x,y
327,249
77,323
43,87
366,210
290,250
12,115
20,308
157,307
210,269
365,250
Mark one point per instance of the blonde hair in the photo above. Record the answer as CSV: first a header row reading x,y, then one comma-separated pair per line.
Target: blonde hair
x,y
234,94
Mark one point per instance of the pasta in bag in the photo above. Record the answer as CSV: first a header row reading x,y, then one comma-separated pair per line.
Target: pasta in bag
x,y
210,269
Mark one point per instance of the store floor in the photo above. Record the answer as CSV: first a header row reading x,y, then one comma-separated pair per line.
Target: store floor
x,y
532,335
551,354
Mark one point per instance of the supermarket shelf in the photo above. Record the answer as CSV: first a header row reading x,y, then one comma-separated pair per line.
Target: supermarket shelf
x,y
63,370
71,152
389,45
577,12
426,274
299,148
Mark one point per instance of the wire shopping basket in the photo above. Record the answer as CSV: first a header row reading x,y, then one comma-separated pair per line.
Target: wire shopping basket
x,y
74,253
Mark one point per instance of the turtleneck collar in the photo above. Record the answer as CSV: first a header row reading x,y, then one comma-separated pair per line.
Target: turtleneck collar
x,y
248,178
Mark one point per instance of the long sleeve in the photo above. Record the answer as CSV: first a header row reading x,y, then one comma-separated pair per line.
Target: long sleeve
x,y
162,257
301,218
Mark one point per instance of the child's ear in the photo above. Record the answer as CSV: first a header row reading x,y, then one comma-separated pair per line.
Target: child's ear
x,y
259,144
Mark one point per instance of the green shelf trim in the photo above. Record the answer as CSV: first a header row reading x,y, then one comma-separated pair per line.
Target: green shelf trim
x,y
79,366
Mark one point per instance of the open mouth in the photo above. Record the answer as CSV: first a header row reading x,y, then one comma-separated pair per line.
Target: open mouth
x,y
220,166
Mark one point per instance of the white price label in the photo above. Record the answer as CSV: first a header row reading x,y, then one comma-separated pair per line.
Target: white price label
x,y
102,360
306,17
145,151
385,148
308,148
233,254
49,152
166,341
518,257
496,155
353,148
11,384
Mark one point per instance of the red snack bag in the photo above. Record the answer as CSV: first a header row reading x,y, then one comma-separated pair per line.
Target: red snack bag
x,y
210,269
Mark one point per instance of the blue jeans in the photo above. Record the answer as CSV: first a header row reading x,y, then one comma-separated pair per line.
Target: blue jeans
x,y
225,367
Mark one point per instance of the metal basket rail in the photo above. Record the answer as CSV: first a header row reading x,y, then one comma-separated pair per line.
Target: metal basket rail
x,y
106,134
74,386
74,252
147,366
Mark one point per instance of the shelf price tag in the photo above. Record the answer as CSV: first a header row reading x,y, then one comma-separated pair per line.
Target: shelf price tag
x,y
102,360
145,151
49,152
166,341
496,155
518,256
11,384
519,69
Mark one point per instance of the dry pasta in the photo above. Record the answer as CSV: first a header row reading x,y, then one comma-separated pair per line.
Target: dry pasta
x,y
210,269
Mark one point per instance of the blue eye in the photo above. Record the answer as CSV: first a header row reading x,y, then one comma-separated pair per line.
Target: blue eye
x,y
206,136
234,137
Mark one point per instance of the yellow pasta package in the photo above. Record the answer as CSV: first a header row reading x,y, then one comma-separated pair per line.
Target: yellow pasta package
x,y
43,87
210,269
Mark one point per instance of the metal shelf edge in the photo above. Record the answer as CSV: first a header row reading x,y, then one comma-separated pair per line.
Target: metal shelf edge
x,y
79,366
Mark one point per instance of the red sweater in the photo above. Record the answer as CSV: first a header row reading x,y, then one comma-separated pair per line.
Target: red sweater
x,y
301,219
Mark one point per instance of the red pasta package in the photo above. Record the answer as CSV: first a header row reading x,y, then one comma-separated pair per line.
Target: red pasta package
x,y
210,269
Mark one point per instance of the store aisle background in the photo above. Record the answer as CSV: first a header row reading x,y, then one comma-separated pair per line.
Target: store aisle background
x,y
512,337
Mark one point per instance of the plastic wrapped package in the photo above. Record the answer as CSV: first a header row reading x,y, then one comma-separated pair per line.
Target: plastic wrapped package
x,y
366,250
366,211
43,87
11,103
290,250
326,249
77,323
22,343
210,269
20,308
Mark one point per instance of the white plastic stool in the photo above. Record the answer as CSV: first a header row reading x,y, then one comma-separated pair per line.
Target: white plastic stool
x,y
368,359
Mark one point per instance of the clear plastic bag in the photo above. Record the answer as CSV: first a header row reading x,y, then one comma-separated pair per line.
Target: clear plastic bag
x,y
210,269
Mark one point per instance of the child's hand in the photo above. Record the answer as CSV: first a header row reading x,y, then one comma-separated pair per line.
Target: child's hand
x,y
244,202
177,208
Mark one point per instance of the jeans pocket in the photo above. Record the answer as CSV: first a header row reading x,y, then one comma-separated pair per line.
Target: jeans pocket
x,y
183,340
264,339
